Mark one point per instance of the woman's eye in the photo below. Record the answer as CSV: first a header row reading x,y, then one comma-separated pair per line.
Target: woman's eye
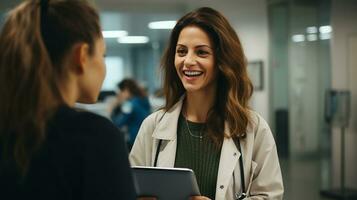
x,y
181,52
202,53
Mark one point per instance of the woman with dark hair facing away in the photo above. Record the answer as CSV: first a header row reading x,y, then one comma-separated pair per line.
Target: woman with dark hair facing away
x,y
51,56
134,108
206,124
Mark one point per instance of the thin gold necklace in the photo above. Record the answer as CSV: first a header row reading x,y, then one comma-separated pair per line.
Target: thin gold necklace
x,y
200,136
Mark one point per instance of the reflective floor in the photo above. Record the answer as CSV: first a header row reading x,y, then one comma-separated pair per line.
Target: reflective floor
x,y
303,178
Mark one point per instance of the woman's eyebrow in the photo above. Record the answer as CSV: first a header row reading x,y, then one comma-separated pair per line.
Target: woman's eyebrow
x,y
198,46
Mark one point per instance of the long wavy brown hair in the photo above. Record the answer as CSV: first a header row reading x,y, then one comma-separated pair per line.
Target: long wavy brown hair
x,y
234,86
34,42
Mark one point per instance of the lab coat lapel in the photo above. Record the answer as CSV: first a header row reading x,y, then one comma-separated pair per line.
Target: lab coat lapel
x,y
227,164
166,130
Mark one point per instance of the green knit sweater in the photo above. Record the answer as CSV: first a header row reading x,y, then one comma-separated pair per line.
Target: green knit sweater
x,y
200,155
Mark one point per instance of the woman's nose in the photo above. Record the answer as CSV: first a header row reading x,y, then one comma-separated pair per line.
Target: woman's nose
x,y
190,59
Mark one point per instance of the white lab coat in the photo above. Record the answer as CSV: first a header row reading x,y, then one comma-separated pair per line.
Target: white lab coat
x,y
262,173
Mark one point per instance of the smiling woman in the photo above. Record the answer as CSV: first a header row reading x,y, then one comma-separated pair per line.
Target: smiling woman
x,y
194,60
206,124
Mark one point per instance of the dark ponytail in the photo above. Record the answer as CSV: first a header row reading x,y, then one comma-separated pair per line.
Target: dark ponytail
x,y
31,68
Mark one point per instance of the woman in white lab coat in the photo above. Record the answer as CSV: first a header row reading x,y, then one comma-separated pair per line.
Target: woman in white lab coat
x,y
206,124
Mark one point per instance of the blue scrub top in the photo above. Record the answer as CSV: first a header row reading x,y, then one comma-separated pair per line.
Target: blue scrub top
x,y
133,112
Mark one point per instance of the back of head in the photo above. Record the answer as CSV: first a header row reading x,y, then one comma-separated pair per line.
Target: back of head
x,y
35,39
132,86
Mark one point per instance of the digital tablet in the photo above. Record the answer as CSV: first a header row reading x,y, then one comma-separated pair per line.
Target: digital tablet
x,y
165,183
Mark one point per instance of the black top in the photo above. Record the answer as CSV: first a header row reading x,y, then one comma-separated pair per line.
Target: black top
x,y
83,157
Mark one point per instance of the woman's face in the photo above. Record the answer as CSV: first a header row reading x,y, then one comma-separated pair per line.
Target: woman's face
x,y
195,61
94,74
124,94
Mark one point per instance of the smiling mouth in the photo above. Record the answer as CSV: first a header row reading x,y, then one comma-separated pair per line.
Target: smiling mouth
x,y
192,73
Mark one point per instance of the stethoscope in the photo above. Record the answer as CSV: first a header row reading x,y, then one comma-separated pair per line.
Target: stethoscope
x,y
236,196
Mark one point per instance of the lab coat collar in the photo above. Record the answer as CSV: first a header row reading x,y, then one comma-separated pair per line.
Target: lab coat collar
x,y
166,128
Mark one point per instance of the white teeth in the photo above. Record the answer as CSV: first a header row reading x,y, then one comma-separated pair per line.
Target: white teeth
x,y
192,73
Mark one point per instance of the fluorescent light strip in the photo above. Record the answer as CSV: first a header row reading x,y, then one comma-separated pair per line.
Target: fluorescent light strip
x,y
325,36
311,29
133,39
325,29
311,37
114,34
162,25
298,38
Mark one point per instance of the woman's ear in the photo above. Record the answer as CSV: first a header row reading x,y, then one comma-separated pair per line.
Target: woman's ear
x,y
80,57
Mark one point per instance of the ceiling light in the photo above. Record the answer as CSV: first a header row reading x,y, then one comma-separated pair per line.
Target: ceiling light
x,y
298,38
114,34
325,36
311,37
133,39
162,25
311,29
325,29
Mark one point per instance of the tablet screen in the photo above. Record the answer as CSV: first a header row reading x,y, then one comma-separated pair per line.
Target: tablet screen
x,y
165,183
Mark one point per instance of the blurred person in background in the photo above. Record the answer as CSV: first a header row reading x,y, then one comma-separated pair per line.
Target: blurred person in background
x,y
206,124
52,56
131,107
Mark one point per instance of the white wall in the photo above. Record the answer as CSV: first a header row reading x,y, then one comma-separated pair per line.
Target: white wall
x,y
251,23
343,18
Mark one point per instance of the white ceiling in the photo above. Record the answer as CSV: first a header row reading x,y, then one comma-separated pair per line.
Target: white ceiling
x,y
134,15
